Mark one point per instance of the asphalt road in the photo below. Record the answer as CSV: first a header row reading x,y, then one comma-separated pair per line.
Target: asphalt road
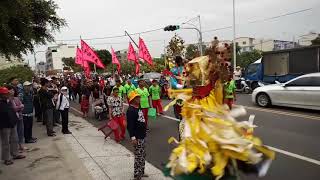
x,y
293,133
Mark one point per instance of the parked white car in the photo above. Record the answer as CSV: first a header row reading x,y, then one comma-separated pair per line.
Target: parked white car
x,y
301,92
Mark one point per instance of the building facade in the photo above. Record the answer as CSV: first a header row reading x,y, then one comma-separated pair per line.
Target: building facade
x,y
273,45
122,55
245,44
41,67
55,54
305,40
14,61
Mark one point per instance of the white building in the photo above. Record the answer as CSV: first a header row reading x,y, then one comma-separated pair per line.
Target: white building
x,y
55,54
245,43
42,67
305,40
122,55
273,45
5,63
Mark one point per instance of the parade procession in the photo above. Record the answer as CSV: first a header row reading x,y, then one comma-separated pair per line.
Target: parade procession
x,y
162,103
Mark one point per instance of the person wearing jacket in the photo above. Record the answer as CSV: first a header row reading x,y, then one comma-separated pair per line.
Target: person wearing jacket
x,y
27,112
136,125
46,102
8,131
63,106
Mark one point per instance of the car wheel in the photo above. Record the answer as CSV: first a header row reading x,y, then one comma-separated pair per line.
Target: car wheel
x,y
263,100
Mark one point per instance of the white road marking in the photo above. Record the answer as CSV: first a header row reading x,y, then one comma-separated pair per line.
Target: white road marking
x,y
287,153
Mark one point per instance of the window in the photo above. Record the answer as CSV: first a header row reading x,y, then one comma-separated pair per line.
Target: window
x,y
306,81
244,42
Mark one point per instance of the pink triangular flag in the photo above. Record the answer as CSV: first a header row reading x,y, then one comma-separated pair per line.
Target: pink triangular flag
x,y
79,59
90,55
132,53
144,52
115,60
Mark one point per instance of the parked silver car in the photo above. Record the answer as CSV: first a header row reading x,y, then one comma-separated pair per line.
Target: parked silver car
x,y
301,92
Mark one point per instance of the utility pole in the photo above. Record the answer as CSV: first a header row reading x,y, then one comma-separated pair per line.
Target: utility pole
x,y
200,37
234,37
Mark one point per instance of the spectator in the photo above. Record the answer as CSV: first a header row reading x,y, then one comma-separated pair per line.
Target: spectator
x,y
18,89
8,131
137,131
27,112
46,101
155,91
144,99
116,110
36,100
17,107
63,106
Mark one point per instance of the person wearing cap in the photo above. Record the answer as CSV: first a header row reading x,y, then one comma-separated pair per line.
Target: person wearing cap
x,y
237,75
47,106
136,125
8,131
155,92
63,106
116,113
144,99
27,112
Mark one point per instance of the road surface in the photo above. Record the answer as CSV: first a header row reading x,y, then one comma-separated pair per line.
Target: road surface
x,y
293,133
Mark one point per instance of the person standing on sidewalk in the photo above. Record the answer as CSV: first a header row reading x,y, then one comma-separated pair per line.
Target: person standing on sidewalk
x,y
27,112
46,99
230,92
8,131
137,131
116,110
121,89
17,107
144,99
63,106
155,92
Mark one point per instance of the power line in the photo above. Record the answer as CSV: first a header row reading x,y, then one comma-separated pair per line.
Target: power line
x,y
261,20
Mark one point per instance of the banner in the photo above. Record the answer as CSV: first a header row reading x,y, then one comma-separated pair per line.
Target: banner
x,y
86,69
115,60
90,55
132,53
144,52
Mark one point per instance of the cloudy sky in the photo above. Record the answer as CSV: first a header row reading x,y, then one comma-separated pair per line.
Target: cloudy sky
x,y
104,18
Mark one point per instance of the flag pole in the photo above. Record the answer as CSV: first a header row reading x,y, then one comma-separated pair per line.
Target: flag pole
x,y
82,56
126,33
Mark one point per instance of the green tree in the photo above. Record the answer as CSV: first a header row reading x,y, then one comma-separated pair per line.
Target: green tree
x,y
26,23
316,41
105,57
175,47
246,58
192,51
23,73
70,62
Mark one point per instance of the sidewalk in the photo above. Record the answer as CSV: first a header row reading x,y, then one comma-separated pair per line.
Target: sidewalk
x,y
51,158
104,159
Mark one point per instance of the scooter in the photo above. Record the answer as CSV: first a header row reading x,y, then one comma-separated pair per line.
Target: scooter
x,y
243,87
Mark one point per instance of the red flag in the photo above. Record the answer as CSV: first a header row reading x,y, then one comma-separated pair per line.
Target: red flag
x,y
90,55
115,60
132,53
137,67
79,59
144,52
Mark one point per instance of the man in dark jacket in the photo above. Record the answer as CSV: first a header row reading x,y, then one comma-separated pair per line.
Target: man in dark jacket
x,y
27,112
46,106
137,131
8,131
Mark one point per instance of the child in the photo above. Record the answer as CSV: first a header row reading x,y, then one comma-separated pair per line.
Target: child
x,y
229,92
155,91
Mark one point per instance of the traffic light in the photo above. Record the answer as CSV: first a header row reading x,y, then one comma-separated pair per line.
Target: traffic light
x,y
171,28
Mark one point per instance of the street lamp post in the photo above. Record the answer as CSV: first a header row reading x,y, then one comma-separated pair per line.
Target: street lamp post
x,y
200,43
234,37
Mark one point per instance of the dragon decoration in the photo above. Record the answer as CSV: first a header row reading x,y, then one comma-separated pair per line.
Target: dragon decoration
x,y
213,143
